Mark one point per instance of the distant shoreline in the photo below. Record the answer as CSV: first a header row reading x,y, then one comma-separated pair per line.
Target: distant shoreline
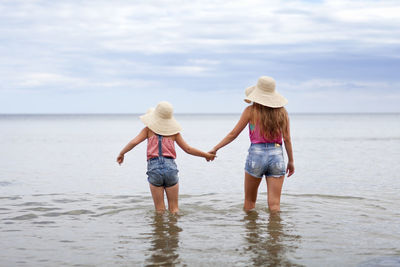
x,y
186,114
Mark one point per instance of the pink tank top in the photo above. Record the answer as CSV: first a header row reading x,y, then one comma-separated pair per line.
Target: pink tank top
x,y
257,138
167,147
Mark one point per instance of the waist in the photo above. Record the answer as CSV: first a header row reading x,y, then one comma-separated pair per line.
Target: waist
x,y
161,158
263,140
266,145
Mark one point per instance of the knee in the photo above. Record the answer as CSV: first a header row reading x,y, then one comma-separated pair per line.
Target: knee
x,y
274,207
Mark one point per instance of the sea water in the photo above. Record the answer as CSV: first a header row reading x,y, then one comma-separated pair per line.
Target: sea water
x,y
64,201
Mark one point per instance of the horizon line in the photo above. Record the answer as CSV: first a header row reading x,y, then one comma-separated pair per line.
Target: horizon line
x,y
193,113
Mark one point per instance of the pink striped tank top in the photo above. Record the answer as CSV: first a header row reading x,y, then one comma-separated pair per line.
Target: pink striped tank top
x,y
257,138
167,145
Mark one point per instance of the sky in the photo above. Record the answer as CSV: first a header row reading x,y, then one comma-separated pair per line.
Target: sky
x,y
125,56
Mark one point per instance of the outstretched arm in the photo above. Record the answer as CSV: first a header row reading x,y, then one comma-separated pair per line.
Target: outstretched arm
x,y
191,150
288,146
134,142
244,119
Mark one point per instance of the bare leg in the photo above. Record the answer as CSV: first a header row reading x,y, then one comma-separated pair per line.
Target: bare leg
x,y
157,193
172,196
274,186
250,191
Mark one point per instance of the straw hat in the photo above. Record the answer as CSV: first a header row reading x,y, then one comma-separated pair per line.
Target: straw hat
x,y
248,91
264,93
160,119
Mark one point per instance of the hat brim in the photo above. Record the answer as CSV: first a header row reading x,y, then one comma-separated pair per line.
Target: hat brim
x,y
159,125
247,92
273,100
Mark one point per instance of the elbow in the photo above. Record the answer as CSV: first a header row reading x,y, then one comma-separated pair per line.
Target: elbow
x,y
287,141
188,150
133,144
232,136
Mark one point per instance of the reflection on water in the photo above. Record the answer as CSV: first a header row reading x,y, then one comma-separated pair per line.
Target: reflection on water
x,y
381,262
268,241
164,240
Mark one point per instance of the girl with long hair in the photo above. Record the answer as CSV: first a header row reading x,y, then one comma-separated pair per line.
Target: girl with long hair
x,y
268,123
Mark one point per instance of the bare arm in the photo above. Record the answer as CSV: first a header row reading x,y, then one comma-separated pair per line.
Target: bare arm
x,y
244,119
191,150
288,146
134,142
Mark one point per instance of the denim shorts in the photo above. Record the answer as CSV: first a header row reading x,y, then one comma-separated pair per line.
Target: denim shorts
x,y
265,159
162,171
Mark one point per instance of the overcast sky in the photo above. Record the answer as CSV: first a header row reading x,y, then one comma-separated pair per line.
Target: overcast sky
x,y
125,56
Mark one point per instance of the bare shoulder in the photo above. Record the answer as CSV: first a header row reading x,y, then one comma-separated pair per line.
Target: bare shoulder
x,y
249,107
149,132
176,136
246,114
179,140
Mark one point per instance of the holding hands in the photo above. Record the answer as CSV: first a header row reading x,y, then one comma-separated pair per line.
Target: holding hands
x,y
213,152
209,156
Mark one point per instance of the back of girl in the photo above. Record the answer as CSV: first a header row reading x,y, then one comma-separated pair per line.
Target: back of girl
x,y
268,123
162,131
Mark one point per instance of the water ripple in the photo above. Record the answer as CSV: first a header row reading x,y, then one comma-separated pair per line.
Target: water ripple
x,y
44,222
5,183
42,209
32,204
325,196
25,217
113,212
381,262
72,212
126,229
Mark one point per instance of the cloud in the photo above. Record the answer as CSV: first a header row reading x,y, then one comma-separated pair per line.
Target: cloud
x,y
176,26
344,96
94,47
40,79
324,85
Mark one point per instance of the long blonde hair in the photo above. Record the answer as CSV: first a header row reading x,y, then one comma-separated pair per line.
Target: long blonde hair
x,y
272,122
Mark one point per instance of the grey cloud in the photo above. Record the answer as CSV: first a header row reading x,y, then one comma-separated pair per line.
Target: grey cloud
x,y
199,46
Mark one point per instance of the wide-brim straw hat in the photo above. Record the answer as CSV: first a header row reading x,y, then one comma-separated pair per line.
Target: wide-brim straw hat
x,y
264,93
247,92
161,120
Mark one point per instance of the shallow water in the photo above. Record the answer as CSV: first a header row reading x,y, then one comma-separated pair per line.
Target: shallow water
x,y
65,202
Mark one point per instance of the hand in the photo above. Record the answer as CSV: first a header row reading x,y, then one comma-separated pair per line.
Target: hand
x,y
120,159
213,151
210,156
290,168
